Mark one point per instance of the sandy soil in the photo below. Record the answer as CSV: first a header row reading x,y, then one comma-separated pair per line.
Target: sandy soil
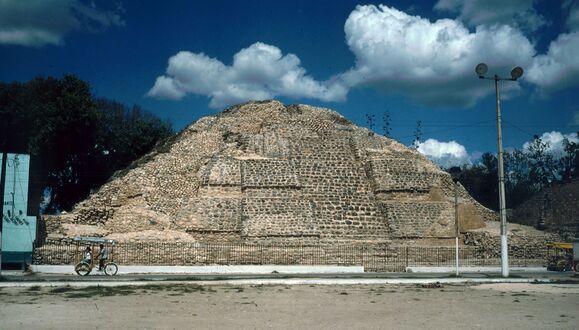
x,y
186,306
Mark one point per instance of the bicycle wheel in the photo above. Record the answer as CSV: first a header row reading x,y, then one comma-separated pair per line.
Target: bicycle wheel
x,y
561,265
111,268
82,269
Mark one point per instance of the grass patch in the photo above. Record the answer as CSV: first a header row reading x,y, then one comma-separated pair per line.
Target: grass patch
x,y
79,295
559,281
96,291
62,289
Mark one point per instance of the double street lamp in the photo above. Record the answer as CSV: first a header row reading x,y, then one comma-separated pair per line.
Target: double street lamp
x,y
481,69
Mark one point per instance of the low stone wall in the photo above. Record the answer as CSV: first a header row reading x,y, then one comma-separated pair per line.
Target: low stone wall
x,y
520,245
374,257
397,174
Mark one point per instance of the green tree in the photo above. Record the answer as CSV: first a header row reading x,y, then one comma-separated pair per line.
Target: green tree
x,y
386,123
417,134
76,143
123,135
569,163
542,167
526,173
518,184
370,120
55,121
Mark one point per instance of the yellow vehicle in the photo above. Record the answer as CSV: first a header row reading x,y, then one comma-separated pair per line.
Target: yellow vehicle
x,y
561,258
89,260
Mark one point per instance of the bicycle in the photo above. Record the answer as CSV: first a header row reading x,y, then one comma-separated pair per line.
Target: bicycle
x,y
85,267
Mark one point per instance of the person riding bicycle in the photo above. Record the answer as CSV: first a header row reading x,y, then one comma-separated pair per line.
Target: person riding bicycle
x,y
103,256
87,255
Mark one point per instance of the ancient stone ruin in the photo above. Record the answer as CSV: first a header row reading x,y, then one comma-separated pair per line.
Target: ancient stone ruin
x,y
263,172
555,209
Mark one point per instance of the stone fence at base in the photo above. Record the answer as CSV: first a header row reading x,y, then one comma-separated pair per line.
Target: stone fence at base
x,y
374,257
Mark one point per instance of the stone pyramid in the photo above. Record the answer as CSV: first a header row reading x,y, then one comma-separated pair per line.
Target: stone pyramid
x,y
264,172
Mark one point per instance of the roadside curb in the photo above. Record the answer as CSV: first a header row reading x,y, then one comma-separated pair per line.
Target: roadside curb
x,y
212,269
290,281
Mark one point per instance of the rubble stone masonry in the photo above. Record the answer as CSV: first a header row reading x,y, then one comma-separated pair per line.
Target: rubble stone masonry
x,y
265,173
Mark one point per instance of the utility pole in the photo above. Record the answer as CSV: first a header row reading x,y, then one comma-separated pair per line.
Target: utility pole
x,y
455,174
516,73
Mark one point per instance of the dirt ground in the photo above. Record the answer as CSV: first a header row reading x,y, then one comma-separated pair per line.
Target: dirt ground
x,y
187,306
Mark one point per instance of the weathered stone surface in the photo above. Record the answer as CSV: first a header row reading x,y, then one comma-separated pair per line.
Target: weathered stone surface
x,y
522,240
556,208
262,172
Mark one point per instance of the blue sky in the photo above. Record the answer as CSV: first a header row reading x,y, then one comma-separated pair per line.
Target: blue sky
x,y
186,59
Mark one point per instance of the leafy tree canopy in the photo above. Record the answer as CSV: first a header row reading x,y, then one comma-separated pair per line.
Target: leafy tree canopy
x,y
526,172
76,141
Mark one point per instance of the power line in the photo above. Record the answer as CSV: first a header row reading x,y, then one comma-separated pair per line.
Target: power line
x,y
518,128
450,129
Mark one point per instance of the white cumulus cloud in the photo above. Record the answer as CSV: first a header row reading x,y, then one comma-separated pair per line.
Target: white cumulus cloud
x,y
555,142
559,68
445,154
258,72
45,22
432,62
520,13
572,7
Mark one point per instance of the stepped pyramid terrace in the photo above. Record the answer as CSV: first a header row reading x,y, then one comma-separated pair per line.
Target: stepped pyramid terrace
x,y
267,173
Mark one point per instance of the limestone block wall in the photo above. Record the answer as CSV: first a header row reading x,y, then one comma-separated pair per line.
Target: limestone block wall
x,y
399,174
94,215
322,149
269,173
333,178
268,144
212,214
221,171
419,219
337,183
277,212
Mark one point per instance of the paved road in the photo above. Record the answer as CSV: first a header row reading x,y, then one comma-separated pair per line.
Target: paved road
x,y
186,305
568,277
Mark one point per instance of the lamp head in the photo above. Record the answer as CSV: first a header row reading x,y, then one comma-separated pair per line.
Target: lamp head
x,y
481,69
516,72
